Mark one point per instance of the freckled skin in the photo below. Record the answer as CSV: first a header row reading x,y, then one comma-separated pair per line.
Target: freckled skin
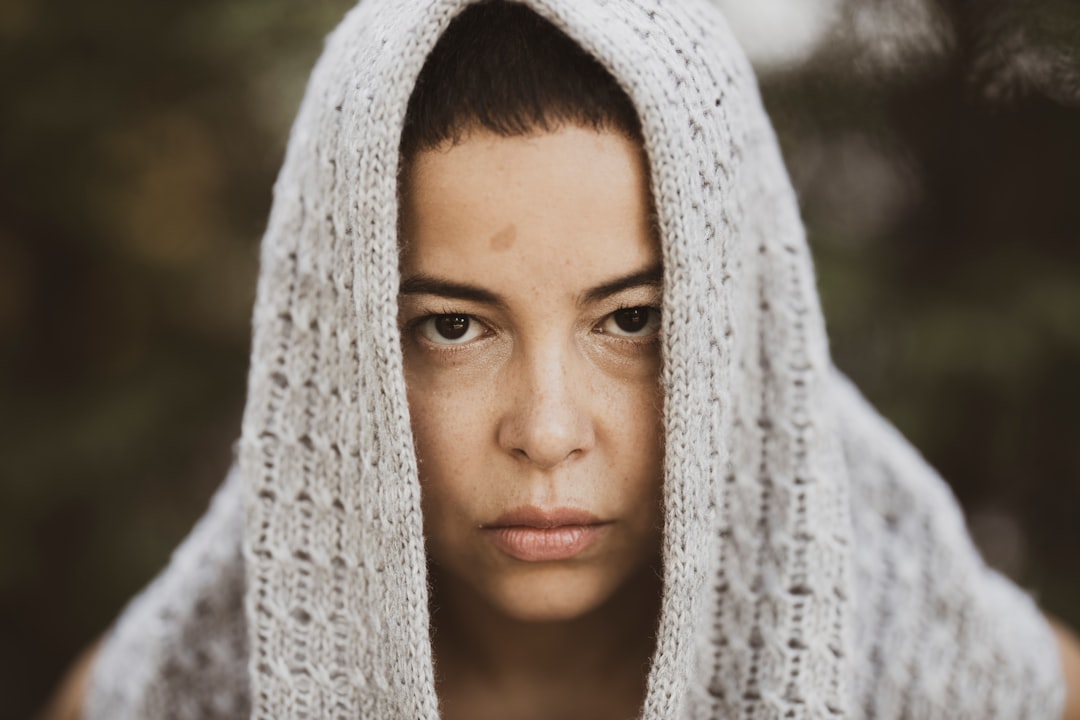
x,y
547,405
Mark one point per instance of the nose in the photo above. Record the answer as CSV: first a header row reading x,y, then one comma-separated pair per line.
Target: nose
x,y
547,421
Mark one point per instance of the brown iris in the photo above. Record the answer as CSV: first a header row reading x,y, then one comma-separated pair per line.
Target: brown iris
x,y
452,327
632,320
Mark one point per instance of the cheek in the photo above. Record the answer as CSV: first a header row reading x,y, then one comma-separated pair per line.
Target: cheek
x,y
634,422
648,423
448,427
450,407
431,400
633,439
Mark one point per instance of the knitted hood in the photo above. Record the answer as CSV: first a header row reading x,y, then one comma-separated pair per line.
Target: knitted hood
x,y
773,465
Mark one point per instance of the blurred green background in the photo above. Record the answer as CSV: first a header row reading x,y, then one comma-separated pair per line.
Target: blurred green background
x,y
138,145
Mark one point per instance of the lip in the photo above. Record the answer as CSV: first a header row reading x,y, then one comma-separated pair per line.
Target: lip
x,y
530,534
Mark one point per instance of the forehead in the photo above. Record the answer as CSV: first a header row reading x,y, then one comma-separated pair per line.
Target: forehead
x,y
574,197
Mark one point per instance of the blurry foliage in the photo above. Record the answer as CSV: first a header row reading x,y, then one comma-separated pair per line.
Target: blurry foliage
x,y
1023,46
941,203
138,144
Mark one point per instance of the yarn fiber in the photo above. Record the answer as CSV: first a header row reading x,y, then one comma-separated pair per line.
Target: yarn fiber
x,y
814,566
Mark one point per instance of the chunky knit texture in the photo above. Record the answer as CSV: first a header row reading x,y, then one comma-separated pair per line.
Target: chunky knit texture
x,y
814,566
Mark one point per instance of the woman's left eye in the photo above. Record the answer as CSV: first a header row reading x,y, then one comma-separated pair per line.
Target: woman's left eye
x,y
450,329
632,322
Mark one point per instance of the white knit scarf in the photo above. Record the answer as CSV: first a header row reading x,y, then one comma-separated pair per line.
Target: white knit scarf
x,y
814,566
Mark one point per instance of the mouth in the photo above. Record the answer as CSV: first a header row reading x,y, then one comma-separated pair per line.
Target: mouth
x,y
530,534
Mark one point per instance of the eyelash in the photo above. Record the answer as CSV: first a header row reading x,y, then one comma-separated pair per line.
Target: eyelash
x,y
638,339
414,326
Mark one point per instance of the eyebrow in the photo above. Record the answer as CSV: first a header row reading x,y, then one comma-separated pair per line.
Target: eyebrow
x,y
650,276
430,285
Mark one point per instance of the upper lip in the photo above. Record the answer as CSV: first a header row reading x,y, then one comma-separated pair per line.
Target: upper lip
x,y
534,517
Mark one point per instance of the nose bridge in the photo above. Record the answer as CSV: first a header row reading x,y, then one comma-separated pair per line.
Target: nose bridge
x,y
547,420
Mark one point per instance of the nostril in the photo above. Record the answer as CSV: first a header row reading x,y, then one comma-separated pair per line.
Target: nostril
x,y
545,459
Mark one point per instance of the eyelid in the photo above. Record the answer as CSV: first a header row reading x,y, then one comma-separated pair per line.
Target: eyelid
x,y
637,296
417,327
653,324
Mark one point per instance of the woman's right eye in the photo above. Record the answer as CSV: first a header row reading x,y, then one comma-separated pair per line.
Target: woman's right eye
x,y
451,329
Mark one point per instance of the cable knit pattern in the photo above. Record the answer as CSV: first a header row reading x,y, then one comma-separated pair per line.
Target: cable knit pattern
x,y
814,567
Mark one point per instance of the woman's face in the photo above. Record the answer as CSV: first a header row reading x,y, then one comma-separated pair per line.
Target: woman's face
x,y
529,311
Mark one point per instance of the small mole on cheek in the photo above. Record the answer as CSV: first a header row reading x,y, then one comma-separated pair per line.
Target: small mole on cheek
x,y
504,239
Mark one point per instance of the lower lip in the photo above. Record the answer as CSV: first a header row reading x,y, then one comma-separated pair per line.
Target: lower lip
x,y
530,544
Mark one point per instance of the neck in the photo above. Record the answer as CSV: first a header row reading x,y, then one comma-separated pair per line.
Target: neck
x,y
606,650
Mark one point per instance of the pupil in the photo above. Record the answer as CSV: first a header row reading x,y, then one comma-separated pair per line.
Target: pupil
x,y
632,319
452,327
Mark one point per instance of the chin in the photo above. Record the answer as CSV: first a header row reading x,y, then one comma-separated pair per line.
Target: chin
x,y
550,595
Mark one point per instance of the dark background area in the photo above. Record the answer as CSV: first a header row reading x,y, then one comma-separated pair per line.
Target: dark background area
x,y
138,145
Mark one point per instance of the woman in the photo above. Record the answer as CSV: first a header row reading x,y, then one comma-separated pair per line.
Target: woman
x,y
542,422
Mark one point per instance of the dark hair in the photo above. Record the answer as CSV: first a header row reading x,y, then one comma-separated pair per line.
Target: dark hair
x,y
501,67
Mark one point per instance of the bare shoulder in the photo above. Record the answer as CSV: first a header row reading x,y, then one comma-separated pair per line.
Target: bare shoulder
x,y
67,702
1069,648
